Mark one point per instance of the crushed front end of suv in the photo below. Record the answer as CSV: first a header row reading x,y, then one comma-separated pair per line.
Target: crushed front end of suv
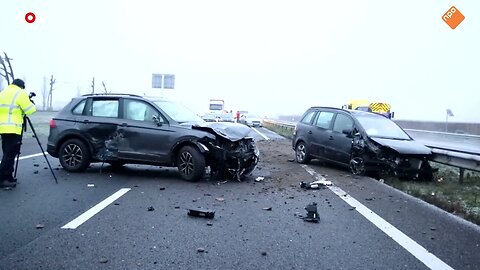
x,y
127,129
368,143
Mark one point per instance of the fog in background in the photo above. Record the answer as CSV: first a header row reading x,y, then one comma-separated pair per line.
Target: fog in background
x,y
269,57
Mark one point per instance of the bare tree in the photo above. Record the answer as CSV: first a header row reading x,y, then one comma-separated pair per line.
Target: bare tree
x,y
79,91
44,93
104,88
5,72
93,85
50,96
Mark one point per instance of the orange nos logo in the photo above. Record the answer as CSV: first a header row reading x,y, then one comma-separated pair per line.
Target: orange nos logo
x,y
453,17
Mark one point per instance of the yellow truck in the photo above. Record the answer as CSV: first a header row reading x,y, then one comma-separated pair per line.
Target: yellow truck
x,y
367,106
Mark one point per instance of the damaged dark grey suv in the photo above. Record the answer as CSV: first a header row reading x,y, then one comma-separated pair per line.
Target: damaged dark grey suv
x,y
120,129
366,142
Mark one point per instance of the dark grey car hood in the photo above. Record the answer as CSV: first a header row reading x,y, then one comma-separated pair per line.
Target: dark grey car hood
x,y
404,147
231,131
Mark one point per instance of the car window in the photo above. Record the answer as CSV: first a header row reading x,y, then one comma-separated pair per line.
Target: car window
x,y
178,112
79,108
105,108
324,119
342,122
139,110
307,119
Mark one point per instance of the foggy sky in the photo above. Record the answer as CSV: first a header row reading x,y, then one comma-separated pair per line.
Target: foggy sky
x,y
269,57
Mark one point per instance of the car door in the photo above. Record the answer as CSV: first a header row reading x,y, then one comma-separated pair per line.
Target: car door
x,y
320,132
99,122
339,145
144,139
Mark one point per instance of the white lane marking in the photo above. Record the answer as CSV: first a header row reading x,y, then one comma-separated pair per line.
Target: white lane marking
x,y
34,155
402,239
261,134
94,210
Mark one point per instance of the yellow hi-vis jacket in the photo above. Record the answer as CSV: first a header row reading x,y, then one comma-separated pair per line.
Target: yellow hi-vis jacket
x,y
14,103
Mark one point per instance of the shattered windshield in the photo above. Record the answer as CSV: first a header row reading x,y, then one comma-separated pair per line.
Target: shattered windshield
x,y
178,112
378,126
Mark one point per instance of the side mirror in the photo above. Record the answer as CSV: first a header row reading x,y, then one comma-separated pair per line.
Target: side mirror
x,y
156,120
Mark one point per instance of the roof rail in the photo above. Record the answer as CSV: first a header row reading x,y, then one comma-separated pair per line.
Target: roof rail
x,y
110,94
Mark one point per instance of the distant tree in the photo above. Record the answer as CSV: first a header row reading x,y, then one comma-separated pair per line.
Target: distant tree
x,y
6,73
104,88
50,94
79,91
44,93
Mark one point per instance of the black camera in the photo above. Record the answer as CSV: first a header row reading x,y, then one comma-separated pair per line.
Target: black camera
x,y
32,94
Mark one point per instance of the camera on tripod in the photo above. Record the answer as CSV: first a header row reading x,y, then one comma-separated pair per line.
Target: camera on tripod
x,y
31,95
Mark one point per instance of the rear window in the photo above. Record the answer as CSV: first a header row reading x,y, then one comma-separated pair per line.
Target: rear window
x,y
307,119
78,110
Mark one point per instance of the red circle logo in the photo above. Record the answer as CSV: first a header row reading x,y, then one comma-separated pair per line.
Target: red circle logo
x,y
30,17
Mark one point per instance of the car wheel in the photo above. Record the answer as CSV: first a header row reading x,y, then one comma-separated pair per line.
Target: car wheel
x,y
357,166
301,153
190,163
426,172
74,155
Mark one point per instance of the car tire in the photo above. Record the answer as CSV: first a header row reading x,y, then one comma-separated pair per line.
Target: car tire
x,y
357,166
74,155
426,172
190,163
301,153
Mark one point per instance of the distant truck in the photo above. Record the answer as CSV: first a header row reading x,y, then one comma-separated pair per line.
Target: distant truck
x,y
217,112
367,106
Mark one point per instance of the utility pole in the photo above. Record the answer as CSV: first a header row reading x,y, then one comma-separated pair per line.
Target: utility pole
x,y
93,85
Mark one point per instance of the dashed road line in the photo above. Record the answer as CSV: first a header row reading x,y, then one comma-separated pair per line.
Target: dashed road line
x,y
94,210
402,239
31,156
261,134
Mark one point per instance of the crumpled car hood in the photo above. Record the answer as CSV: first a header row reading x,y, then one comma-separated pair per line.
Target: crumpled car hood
x,y
404,147
231,131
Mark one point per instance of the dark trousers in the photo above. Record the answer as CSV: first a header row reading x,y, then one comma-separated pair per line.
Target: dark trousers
x,y
11,147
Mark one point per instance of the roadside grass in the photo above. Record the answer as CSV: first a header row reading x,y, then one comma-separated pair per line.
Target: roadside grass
x,y
41,123
445,191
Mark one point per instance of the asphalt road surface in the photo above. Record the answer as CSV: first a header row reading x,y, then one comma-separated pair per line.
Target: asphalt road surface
x,y
100,219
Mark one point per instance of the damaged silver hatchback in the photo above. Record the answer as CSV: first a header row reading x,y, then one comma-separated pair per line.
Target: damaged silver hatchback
x,y
128,129
367,143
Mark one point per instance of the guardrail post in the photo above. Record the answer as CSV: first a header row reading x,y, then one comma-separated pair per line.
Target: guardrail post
x,y
462,171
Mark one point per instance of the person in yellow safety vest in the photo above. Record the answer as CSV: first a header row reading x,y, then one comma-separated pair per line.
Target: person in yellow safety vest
x,y
14,104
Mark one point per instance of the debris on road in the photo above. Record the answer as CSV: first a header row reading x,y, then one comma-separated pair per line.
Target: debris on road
x,y
259,179
200,250
39,226
381,181
264,253
103,260
316,184
210,224
36,165
312,214
220,199
162,188
201,212
267,208
291,160
150,208
35,172
90,185
74,199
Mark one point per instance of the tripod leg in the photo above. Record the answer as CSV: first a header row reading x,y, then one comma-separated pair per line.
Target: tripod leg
x,y
18,155
41,148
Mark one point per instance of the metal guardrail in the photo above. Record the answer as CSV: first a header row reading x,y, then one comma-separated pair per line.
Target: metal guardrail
x,y
452,156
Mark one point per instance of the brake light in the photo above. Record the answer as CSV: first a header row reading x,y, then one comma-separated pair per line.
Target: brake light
x,y
53,124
